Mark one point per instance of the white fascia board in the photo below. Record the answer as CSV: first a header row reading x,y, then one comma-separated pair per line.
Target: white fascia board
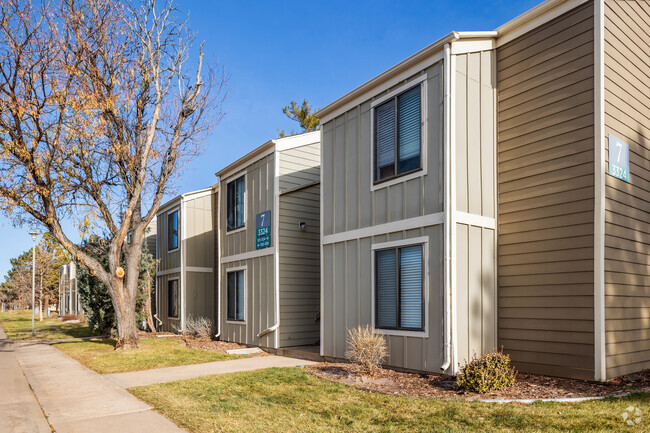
x,y
534,18
191,195
298,140
464,46
243,163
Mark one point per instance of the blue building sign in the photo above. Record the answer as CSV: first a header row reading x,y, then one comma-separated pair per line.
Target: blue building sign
x,y
619,159
263,230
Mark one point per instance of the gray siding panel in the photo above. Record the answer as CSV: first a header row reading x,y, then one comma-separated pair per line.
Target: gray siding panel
x,y
627,221
300,267
545,196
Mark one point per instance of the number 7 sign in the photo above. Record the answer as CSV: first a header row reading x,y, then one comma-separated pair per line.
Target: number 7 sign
x,y
619,159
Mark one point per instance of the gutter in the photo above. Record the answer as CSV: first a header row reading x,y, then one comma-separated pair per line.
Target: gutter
x,y
217,259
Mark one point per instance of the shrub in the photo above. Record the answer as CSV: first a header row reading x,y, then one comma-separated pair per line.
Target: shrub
x,y
68,317
366,348
200,327
489,372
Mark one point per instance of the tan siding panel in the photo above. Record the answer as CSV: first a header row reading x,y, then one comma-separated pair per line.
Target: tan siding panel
x,y
545,196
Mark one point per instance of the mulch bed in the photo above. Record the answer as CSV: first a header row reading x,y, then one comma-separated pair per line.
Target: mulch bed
x,y
527,386
217,346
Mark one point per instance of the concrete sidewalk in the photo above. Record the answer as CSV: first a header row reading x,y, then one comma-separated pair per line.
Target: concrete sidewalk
x,y
170,374
19,409
76,399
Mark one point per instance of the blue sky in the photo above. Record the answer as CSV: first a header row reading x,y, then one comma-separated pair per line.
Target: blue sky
x,y
278,51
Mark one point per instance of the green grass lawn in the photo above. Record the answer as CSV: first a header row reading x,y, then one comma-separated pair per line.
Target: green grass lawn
x,y
290,400
99,355
19,327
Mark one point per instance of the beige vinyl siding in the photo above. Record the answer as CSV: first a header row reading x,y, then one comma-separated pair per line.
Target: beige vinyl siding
x,y
627,221
299,166
150,237
475,138
198,246
259,307
545,178
300,266
349,204
348,293
475,179
198,241
259,198
169,324
259,274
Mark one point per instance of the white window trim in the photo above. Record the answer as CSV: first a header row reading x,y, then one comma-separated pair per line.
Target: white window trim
x,y
176,208
178,292
229,180
424,241
235,269
422,81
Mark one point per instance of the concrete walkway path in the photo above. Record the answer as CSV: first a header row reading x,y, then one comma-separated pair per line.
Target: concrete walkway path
x,y
76,399
19,409
170,374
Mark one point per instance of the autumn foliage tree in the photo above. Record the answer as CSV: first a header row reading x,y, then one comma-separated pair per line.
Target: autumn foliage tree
x,y
100,105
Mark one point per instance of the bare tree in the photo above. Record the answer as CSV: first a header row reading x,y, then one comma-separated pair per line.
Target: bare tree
x,y
97,114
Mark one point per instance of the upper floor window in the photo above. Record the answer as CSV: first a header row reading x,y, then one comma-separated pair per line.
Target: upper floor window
x,y
399,288
235,203
172,230
397,146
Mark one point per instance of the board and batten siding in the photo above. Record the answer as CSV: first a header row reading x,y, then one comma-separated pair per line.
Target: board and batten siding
x,y
260,271
475,179
627,217
545,145
349,203
300,266
198,244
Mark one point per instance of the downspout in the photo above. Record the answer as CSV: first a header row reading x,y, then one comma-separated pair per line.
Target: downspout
x,y
276,256
217,260
447,197
183,216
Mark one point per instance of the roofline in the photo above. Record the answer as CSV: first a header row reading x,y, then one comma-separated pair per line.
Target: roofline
x,y
401,66
506,32
165,206
280,144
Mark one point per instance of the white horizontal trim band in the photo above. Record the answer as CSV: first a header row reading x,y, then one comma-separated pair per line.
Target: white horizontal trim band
x,y
248,255
475,220
198,269
168,271
382,229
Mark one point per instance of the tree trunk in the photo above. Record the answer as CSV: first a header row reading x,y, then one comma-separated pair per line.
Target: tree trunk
x,y
147,303
22,307
124,305
40,302
47,305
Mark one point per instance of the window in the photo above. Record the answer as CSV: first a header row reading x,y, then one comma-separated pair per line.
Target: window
x,y
399,294
397,144
172,231
236,295
172,298
235,203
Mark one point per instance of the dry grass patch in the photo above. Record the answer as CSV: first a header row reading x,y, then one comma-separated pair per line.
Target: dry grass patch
x,y
291,400
19,327
100,355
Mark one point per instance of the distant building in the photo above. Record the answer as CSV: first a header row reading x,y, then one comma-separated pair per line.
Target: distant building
x,y
69,299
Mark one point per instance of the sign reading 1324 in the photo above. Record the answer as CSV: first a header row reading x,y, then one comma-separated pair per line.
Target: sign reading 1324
x,y
619,159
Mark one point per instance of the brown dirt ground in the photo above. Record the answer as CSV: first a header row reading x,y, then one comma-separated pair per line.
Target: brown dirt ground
x,y
203,343
527,386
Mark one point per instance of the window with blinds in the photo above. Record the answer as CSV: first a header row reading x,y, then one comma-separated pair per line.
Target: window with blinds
x,y
172,230
172,298
398,125
236,295
235,203
399,288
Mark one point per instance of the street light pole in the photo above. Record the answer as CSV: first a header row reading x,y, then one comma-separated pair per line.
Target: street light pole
x,y
34,233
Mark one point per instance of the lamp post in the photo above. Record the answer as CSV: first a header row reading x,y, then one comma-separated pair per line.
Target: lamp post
x,y
34,233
